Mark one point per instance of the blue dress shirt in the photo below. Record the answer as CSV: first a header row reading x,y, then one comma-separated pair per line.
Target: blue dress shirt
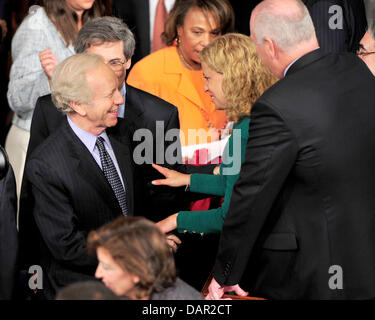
x,y
89,140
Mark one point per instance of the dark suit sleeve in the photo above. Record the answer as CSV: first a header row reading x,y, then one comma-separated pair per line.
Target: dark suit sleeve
x,y
270,154
55,217
8,232
39,129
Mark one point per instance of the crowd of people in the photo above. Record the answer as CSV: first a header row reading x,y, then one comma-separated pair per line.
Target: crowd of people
x,y
129,138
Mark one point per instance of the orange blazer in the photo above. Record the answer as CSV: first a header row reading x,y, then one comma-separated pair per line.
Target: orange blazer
x,y
163,74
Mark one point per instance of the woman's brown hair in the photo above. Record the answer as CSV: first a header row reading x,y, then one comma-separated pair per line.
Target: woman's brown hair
x,y
65,19
141,249
221,10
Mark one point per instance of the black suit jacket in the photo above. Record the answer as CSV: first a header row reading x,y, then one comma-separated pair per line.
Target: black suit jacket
x,y
8,228
136,14
304,200
353,20
71,197
142,111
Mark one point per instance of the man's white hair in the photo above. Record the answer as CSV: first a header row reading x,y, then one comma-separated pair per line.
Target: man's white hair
x,y
287,29
69,81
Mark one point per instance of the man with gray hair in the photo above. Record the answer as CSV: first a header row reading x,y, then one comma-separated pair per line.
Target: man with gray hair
x,y
110,38
81,176
301,219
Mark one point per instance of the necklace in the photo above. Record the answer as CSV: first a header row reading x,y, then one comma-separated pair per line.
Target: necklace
x,y
184,61
210,125
203,112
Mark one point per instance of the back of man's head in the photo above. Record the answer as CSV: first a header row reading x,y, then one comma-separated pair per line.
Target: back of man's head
x,y
105,29
287,22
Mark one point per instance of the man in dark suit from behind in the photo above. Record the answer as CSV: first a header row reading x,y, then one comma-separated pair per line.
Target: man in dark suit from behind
x,y
301,220
81,176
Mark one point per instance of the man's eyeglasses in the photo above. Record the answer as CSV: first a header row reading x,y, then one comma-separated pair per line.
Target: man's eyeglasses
x,y
116,64
363,52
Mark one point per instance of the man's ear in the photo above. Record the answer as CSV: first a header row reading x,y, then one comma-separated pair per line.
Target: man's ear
x,y
78,108
128,63
271,48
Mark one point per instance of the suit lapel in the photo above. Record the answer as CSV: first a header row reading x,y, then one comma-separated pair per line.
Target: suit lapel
x,y
133,113
87,168
133,105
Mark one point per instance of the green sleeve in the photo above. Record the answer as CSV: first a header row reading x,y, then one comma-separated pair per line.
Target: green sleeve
x,y
211,221
208,183
207,221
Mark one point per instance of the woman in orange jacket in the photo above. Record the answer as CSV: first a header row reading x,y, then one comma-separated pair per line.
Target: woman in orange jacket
x,y
175,74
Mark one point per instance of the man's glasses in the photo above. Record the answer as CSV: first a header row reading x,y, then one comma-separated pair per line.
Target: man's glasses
x,y
363,52
116,64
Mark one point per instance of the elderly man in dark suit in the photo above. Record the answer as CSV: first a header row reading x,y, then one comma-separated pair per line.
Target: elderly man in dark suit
x,y
301,220
110,38
81,176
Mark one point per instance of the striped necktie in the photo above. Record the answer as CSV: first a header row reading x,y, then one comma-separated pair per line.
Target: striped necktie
x,y
112,176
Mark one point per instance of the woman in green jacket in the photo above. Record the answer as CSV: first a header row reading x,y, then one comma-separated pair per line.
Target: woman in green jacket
x,y
235,79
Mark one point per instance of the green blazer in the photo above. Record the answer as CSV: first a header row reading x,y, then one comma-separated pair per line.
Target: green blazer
x,y
211,221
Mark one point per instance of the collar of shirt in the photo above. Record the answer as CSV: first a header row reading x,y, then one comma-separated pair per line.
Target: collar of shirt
x,y
121,107
290,64
87,138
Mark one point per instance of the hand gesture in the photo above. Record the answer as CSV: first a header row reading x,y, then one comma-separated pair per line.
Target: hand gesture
x,y
173,242
216,291
173,178
168,224
48,62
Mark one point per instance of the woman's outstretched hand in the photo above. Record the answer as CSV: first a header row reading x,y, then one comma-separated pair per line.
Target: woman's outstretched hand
x,y
173,178
168,224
